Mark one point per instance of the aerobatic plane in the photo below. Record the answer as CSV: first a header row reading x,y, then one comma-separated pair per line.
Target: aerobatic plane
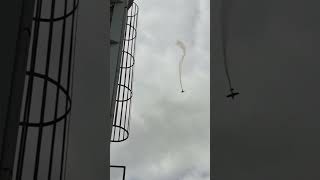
x,y
232,94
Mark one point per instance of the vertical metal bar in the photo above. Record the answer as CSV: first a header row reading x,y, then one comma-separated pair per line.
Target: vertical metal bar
x,y
130,69
29,93
124,81
68,88
44,94
58,91
124,173
134,52
71,89
118,90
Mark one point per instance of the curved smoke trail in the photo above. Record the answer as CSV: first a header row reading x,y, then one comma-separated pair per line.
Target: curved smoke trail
x,y
183,47
224,28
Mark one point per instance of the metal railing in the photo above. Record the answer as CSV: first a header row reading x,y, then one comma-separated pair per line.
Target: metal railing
x,y
43,131
122,110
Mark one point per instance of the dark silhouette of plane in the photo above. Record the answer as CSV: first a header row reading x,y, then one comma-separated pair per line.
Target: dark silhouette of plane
x,y
232,94
182,91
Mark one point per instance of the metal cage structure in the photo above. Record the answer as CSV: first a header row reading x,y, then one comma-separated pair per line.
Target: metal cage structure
x,y
44,126
122,109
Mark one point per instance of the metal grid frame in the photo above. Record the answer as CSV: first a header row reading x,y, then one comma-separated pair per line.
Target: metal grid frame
x,y
122,110
48,94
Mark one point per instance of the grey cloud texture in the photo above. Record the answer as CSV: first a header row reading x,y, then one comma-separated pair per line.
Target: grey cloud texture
x,y
169,137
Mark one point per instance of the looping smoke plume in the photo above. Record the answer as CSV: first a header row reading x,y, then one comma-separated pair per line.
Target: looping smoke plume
x,y
183,47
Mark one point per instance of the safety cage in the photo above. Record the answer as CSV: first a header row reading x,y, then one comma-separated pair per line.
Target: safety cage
x,y
124,93
43,135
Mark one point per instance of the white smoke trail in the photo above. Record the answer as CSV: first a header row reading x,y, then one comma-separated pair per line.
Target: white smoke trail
x,y
183,47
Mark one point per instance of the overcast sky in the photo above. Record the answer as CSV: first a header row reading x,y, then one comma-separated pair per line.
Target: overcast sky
x,y
169,137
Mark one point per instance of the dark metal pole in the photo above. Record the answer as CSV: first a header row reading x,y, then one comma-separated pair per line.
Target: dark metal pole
x,y
15,37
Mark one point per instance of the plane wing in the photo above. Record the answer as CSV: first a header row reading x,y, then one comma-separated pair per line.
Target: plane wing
x,y
232,94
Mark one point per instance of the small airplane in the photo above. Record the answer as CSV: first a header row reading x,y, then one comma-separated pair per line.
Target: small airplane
x,y
232,94
182,91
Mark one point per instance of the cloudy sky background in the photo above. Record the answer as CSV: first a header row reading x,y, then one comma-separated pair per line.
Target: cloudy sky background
x,y
169,131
